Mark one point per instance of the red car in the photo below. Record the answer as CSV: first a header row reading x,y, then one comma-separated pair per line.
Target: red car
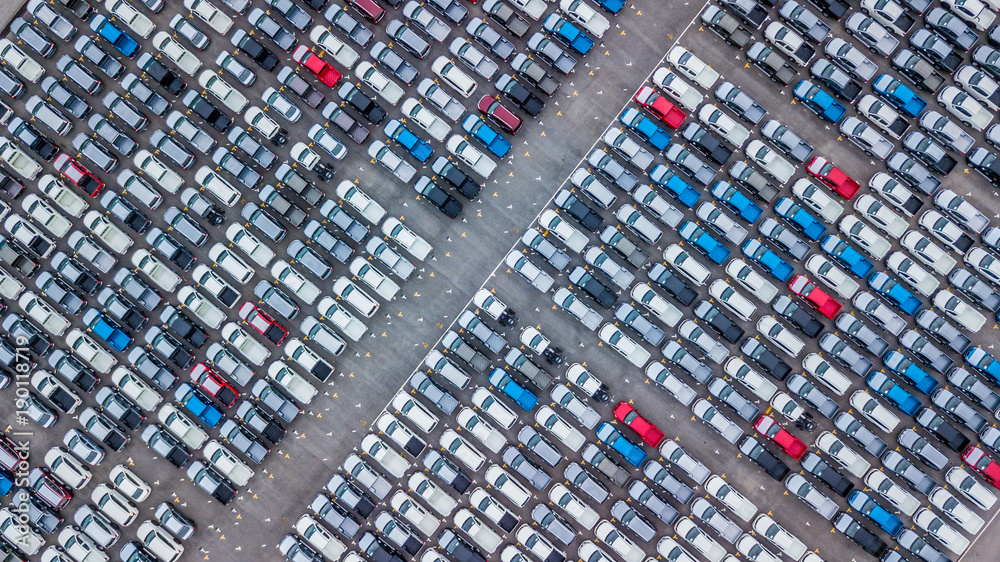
x,y
78,175
977,458
326,73
263,323
500,115
835,178
625,413
368,8
666,111
765,425
215,385
11,458
816,297
48,488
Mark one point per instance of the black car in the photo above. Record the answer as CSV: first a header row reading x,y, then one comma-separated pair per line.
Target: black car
x,y
372,111
937,51
76,273
719,322
354,130
163,76
580,211
704,142
765,358
118,306
207,111
521,96
986,163
253,49
771,63
600,292
438,197
826,474
842,85
748,10
930,152
118,407
71,369
168,246
31,138
186,328
9,186
859,534
351,496
832,8
942,430
763,458
458,179
504,14
797,316
301,87
457,548
672,284
917,70
377,549
726,26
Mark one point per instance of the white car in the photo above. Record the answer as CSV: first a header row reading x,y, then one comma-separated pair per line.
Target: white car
x,y
61,195
114,504
228,95
462,450
785,405
453,76
734,501
963,106
876,413
76,544
582,13
617,541
975,12
699,540
210,14
161,275
304,289
67,468
882,115
127,14
297,386
898,195
692,67
947,503
406,506
378,281
23,164
201,307
414,411
40,311
158,171
227,261
136,388
780,336
479,162
341,318
176,53
334,46
106,231
928,252
408,240
425,119
864,236
15,58
979,85
832,276
943,532
562,431
844,455
181,426
355,296
487,539
817,199
751,280
985,263
914,275
687,265
536,543
666,312
507,485
895,494
961,210
428,491
89,351
224,461
325,140
614,337
959,311
534,9
692,332
566,233
259,121
365,205
789,42
319,537
218,187
42,213
500,412
717,120
960,480
738,369
158,541
250,348
281,105
684,93
825,373
47,385
880,215
731,299
481,429
786,542
383,86
582,513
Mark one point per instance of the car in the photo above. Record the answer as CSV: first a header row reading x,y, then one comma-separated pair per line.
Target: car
x,y
726,26
881,383
865,138
928,151
896,193
964,212
964,107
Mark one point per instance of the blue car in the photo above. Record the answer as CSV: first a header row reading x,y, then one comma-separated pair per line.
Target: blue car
x,y
614,439
6,484
520,395
800,219
674,185
820,102
613,6
413,144
118,38
883,385
846,255
868,507
107,330
899,95
899,364
739,203
981,360
894,293
645,128
568,33
198,404
492,140
770,261
704,242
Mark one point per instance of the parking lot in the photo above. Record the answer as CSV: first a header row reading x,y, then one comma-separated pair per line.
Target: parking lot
x,y
470,250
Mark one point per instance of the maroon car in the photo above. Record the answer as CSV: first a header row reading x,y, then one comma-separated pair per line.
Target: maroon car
x,y
369,8
500,115
48,488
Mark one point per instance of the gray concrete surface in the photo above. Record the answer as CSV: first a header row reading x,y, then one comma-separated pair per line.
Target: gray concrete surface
x,y
8,10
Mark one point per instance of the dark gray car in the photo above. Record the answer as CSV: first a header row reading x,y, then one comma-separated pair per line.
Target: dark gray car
x,y
547,250
632,521
916,545
647,498
913,442
249,145
670,484
925,351
913,476
111,134
243,441
57,92
959,409
594,456
980,293
145,94
343,220
335,516
703,510
974,388
439,397
848,424
676,354
647,330
801,387
309,259
266,224
845,354
743,105
729,396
